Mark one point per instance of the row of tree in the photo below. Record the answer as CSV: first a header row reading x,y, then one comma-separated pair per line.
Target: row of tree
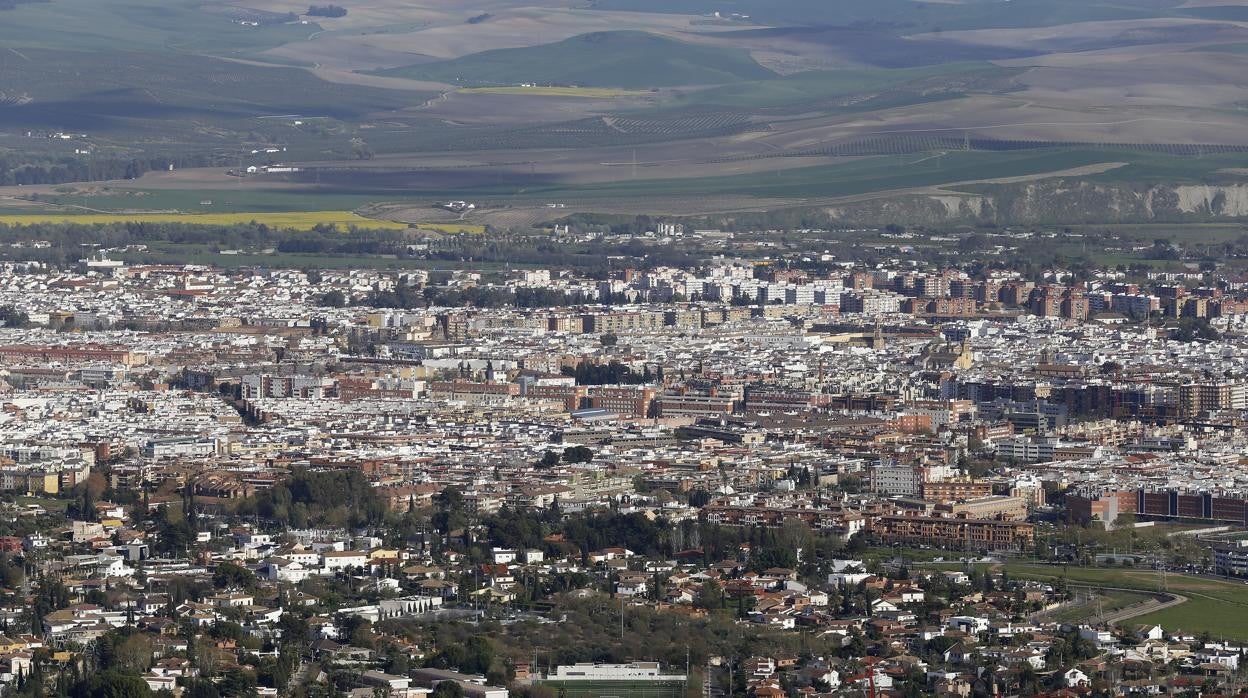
x,y
34,170
326,11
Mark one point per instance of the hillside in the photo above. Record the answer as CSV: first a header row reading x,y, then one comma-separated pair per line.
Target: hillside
x,y
625,59
911,16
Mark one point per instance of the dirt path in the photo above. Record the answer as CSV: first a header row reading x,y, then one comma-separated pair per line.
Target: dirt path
x,y
1152,605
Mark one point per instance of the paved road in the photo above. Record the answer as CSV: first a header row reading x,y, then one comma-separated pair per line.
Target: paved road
x,y
300,677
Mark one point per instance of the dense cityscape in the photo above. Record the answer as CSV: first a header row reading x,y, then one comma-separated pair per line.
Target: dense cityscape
x,y
767,476
623,349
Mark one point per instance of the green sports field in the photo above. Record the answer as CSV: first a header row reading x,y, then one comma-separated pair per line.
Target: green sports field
x,y
1217,607
618,689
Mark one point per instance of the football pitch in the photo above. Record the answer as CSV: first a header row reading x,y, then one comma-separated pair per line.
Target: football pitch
x,y
618,689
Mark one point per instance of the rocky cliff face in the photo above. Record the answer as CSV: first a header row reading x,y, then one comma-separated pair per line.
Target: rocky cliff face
x,y
1055,201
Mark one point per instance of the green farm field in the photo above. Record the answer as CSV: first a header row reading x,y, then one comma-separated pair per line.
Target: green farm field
x,y
185,26
850,177
351,189
908,85
241,200
932,16
629,60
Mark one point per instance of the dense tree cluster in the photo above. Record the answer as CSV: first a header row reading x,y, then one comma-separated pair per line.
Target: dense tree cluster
x,y
612,373
12,317
68,240
327,11
335,498
590,632
1191,329
30,170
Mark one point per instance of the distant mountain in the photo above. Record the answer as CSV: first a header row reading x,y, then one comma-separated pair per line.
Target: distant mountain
x,y
624,59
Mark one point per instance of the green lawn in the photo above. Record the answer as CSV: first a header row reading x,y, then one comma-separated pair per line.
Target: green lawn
x,y
48,503
1109,601
1217,607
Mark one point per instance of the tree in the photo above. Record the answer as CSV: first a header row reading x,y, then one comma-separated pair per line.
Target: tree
x,y
333,299
201,688
479,655
448,689
452,512
111,684
609,339
710,597
132,653
578,454
1191,328
12,317
237,683
326,11
229,575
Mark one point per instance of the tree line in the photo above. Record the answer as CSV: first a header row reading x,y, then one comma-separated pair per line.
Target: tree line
x,y
327,11
68,240
63,170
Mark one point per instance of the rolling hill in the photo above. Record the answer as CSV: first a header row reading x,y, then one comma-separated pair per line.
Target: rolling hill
x,y
625,59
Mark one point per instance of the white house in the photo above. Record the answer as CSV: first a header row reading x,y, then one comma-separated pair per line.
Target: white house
x,y
247,539
882,606
160,682
1100,637
633,586
113,567
1073,678
237,600
305,557
334,560
829,676
972,625
279,569
847,572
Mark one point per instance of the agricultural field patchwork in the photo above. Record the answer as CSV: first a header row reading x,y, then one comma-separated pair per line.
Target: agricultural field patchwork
x,y
292,220
627,59
543,91
622,99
